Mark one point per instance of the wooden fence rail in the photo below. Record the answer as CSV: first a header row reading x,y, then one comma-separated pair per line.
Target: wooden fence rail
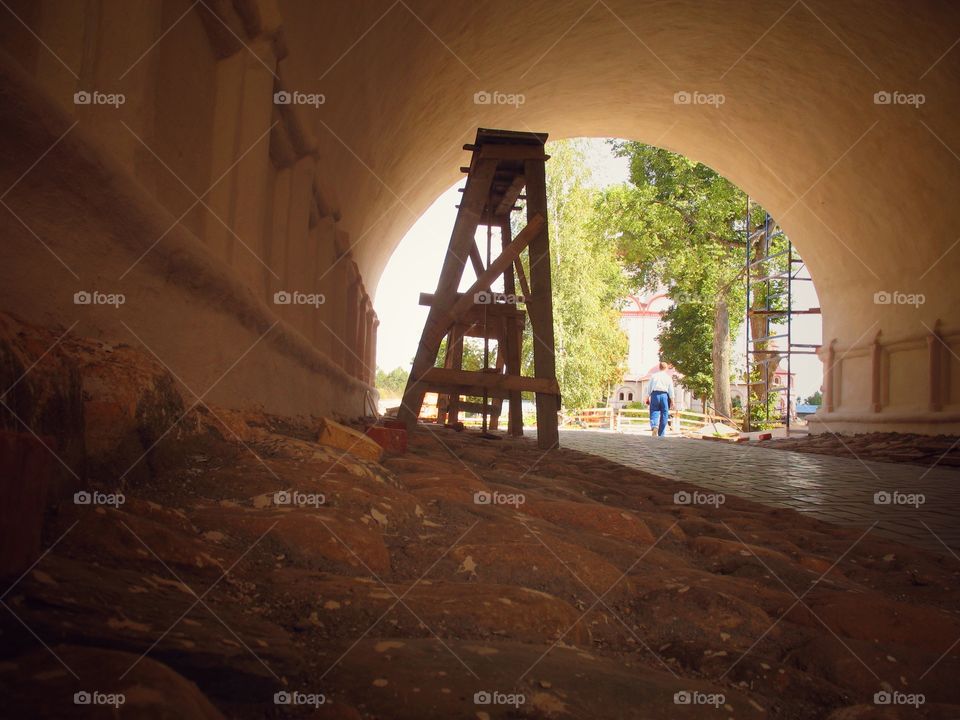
x,y
633,420
621,420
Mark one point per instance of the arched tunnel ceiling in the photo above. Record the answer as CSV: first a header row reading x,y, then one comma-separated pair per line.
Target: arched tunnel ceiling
x,y
862,188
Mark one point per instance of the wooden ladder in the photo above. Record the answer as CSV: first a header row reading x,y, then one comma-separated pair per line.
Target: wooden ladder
x,y
502,164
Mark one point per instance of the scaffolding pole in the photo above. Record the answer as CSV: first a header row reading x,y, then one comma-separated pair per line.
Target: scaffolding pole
x,y
761,277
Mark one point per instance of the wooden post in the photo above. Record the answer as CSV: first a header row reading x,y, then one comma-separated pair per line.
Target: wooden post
x,y
540,305
443,400
497,403
512,340
456,363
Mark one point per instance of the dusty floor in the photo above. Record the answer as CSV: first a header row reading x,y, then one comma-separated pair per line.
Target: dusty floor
x,y
469,578
940,450
401,597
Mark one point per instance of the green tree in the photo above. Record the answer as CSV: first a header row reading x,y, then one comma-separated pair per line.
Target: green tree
x,y
472,353
815,399
391,384
686,341
588,283
679,224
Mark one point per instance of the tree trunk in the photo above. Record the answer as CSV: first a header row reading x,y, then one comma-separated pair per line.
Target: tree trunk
x,y
764,362
721,358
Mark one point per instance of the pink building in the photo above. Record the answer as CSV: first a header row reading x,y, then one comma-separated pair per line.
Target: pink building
x,y
640,320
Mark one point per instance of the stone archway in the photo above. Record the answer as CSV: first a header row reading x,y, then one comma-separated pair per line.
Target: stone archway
x,y
839,119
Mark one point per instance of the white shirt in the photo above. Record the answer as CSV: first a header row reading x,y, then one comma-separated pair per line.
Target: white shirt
x,y
661,382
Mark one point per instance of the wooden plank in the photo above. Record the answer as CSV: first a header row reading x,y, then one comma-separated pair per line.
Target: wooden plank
x,y
509,285
540,306
481,329
522,277
441,321
490,380
475,197
456,363
476,407
534,227
512,338
512,346
496,407
443,401
476,260
511,195
457,390
513,152
498,309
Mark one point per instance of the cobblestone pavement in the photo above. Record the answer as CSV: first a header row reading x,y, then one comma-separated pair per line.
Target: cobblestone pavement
x,y
838,490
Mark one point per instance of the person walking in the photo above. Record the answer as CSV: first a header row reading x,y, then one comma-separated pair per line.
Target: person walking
x,y
660,400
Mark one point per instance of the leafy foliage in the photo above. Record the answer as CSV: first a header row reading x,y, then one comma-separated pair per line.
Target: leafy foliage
x,y
472,353
588,284
686,339
391,384
679,224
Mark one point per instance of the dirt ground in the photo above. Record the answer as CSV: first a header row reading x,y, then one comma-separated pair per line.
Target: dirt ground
x,y
468,578
926,450
401,596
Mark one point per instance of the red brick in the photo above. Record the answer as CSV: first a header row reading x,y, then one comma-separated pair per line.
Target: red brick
x,y
393,440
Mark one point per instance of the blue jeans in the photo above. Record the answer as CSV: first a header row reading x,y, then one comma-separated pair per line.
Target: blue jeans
x,y
659,411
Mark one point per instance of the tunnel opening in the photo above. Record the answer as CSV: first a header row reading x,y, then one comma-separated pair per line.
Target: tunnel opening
x,y
594,166
197,201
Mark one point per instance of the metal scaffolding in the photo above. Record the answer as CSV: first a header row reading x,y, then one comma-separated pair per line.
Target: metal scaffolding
x,y
771,270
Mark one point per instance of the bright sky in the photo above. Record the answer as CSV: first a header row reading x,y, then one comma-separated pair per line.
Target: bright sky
x,y
415,268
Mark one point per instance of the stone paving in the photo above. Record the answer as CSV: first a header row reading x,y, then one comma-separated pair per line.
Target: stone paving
x,y
838,490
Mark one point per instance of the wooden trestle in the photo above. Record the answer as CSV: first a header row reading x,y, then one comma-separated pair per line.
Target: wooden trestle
x,y
503,164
